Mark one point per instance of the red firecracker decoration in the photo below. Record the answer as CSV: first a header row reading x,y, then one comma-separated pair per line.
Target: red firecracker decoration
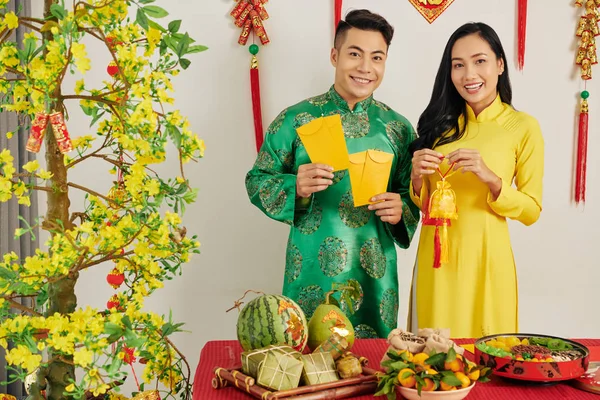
x,y
61,134
38,131
115,278
522,30
249,15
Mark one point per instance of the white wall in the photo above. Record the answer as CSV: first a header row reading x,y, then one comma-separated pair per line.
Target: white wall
x,y
557,260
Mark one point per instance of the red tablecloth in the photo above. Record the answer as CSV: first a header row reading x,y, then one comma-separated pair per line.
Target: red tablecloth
x,y
226,354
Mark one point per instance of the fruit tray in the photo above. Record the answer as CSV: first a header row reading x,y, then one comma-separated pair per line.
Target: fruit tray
x,y
366,383
535,370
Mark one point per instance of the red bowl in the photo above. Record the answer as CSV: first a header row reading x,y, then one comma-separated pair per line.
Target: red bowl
x,y
534,371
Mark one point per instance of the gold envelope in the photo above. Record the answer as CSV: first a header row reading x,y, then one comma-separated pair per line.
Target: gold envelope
x,y
324,141
369,174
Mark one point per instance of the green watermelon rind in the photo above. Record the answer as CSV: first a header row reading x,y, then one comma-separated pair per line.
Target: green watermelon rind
x,y
257,324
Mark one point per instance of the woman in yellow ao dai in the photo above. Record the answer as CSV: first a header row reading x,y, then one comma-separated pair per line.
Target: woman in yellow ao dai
x,y
471,127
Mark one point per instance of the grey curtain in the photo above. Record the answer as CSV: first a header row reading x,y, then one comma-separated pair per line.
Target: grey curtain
x,y
10,210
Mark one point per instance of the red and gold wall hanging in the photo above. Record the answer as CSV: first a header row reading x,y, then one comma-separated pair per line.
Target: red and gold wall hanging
x,y
249,15
587,30
431,9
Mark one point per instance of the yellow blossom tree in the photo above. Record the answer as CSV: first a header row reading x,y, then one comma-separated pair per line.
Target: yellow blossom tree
x,y
75,351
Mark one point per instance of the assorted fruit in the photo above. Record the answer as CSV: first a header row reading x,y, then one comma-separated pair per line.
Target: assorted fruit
x,y
428,372
531,349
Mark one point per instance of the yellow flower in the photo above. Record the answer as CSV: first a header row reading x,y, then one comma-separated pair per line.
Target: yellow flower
x,y
100,389
79,86
43,174
152,187
9,134
11,20
70,388
6,157
82,62
31,166
172,218
83,357
25,201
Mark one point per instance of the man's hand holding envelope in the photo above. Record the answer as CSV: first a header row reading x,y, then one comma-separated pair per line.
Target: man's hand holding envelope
x,y
324,141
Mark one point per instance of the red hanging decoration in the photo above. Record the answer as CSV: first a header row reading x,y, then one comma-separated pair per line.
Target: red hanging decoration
x,y
38,131
112,69
115,278
249,15
113,302
61,134
337,13
256,109
440,210
522,30
582,138
587,30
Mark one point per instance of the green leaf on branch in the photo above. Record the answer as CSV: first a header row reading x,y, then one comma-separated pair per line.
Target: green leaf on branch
x,y
170,328
156,26
7,274
175,135
141,19
184,62
155,11
184,44
190,196
196,49
146,1
174,26
58,11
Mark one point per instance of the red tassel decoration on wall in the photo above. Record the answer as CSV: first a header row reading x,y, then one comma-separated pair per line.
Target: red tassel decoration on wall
x,y
522,23
255,88
582,138
249,15
337,13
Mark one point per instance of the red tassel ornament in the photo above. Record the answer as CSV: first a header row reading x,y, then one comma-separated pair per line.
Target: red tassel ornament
x,y
582,138
522,30
255,88
337,13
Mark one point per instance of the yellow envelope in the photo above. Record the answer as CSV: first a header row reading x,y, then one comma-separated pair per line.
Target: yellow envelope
x,y
369,174
324,141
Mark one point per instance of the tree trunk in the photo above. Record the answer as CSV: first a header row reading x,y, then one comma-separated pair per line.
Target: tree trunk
x,y
61,294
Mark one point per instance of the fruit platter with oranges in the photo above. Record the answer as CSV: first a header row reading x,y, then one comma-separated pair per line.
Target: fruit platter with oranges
x,y
413,374
421,366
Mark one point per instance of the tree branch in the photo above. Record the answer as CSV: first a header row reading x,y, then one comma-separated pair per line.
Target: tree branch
x,y
75,162
21,307
90,191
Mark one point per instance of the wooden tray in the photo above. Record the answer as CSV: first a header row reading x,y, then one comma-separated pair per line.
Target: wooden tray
x,y
344,388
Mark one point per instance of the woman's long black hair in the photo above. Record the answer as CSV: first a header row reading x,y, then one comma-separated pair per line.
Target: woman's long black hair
x,y
446,104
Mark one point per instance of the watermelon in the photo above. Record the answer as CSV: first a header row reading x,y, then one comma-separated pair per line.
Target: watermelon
x,y
272,320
